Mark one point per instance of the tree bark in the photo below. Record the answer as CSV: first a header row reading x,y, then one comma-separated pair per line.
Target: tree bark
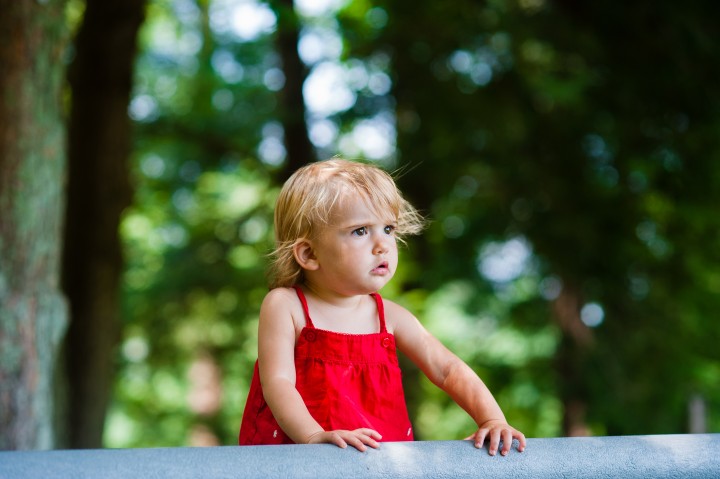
x,y
33,313
297,143
98,191
576,340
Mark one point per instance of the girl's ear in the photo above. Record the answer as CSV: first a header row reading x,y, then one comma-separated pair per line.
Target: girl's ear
x,y
304,255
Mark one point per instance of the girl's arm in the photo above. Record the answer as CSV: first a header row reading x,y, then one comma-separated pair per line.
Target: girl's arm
x,y
276,362
456,378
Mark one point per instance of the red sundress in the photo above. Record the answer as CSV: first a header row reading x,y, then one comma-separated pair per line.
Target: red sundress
x,y
347,381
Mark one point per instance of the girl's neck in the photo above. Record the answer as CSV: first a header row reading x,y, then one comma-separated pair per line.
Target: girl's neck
x,y
333,298
354,314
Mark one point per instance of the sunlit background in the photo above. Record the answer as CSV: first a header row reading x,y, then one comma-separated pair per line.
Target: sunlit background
x,y
209,139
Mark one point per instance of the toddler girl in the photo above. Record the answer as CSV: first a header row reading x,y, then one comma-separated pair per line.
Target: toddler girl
x,y
327,370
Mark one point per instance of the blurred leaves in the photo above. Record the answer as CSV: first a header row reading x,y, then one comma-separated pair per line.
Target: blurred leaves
x,y
554,147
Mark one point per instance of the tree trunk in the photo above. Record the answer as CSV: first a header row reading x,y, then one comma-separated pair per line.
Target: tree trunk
x,y
293,111
33,313
98,192
576,340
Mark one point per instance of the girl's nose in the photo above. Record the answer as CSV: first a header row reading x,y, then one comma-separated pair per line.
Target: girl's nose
x,y
380,246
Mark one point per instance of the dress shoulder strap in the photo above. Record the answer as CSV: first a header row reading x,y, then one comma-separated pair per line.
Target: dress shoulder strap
x,y
381,311
303,301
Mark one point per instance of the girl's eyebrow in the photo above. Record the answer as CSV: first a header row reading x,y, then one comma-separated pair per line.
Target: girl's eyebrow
x,y
360,223
353,225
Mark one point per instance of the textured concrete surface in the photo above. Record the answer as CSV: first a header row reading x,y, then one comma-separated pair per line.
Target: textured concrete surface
x,y
663,456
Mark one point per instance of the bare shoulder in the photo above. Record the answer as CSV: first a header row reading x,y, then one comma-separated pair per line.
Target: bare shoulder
x,y
278,296
397,317
280,305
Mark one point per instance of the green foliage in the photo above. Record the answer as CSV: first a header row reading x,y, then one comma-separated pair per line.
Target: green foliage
x,y
556,149
197,235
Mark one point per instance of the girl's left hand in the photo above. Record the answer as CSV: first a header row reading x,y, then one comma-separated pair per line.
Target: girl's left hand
x,y
496,430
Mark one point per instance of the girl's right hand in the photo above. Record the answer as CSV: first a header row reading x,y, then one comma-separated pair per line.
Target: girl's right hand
x,y
359,438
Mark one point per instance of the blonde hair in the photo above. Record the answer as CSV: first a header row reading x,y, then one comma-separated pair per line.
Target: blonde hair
x,y
307,200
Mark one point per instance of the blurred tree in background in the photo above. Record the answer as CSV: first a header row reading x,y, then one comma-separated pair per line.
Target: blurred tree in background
x,y
564,153
100,77
574,143
33,312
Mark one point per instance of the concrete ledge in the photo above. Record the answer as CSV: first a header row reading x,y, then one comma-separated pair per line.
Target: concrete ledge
x,y
667,456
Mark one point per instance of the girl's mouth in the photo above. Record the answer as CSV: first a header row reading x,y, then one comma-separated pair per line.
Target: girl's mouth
x,y
381,269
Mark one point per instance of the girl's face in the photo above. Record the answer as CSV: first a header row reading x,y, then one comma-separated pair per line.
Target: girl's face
x,y
356,252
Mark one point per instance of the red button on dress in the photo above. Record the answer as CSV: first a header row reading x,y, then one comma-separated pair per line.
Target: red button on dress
x,y
347,381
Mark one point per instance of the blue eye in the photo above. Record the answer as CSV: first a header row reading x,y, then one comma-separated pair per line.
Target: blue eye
x,y
362,231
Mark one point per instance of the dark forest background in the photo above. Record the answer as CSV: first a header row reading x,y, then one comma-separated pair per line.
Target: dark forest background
x,y
567,155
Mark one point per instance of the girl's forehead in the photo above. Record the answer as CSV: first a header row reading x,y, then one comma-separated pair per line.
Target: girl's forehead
x,y
357,207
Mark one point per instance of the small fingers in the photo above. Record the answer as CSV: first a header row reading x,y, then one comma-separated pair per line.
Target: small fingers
x,y
370,437
479,438
494,441
372,433
361,438
507,441
355,442
335,438
521,440
506,434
